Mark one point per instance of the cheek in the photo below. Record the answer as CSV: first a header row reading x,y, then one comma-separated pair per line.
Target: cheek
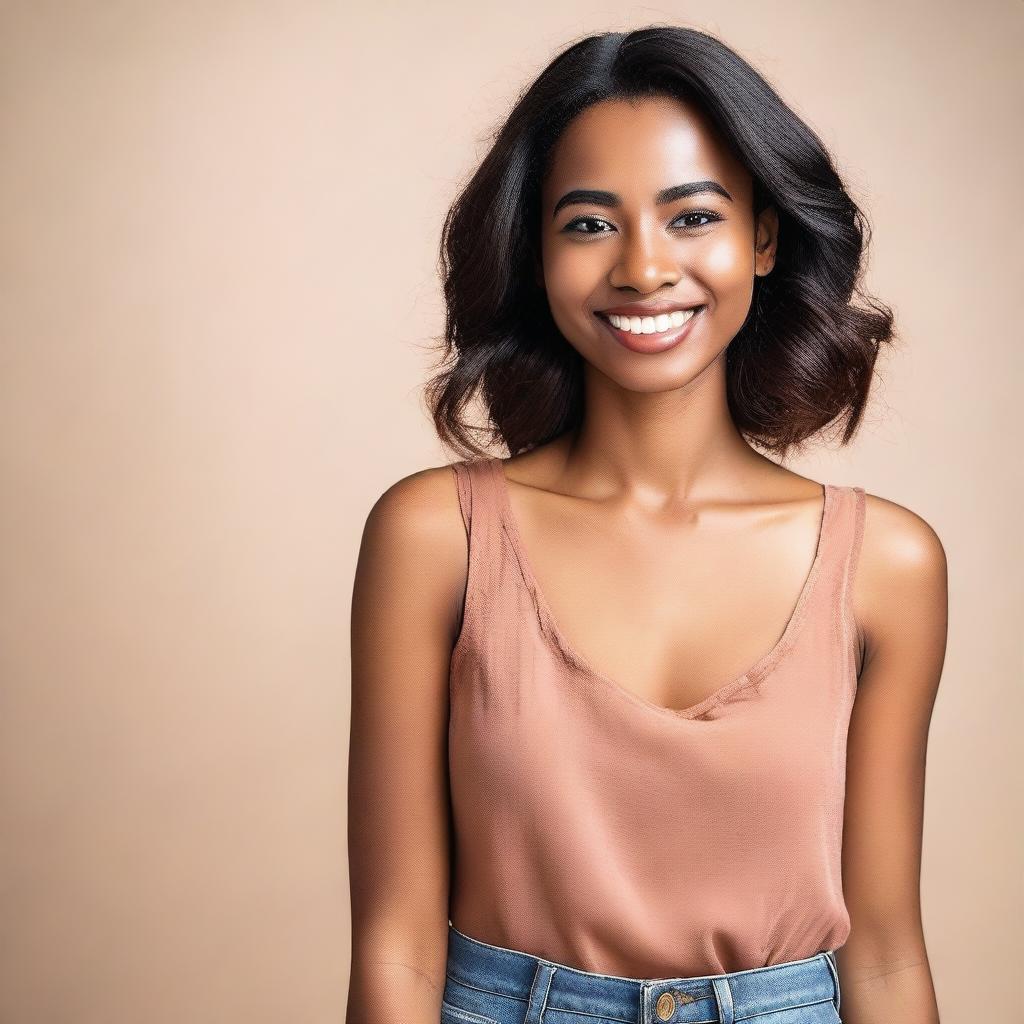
x,y
570,278
727,264
728,270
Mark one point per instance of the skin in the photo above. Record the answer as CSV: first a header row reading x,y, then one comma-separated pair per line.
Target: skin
x,y
695,547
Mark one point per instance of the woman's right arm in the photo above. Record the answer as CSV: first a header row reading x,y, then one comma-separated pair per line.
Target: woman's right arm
x,y
406,604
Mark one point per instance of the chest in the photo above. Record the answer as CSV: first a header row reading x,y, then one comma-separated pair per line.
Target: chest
x,y
671,610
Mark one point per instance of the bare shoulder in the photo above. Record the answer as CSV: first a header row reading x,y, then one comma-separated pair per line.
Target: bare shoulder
x,y
421,507
898,544
901,578
414,540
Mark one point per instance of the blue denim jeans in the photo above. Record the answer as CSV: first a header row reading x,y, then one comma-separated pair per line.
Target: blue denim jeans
x,y
488,984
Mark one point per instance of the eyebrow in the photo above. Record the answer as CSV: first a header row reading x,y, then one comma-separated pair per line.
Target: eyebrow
x,y
598,197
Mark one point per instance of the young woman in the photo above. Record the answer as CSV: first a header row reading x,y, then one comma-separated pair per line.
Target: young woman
x,y
639,716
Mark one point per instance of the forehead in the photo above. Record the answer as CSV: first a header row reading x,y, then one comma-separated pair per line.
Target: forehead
x,y
636,148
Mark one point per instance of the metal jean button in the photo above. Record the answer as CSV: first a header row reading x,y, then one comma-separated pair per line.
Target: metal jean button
x,y
666,1006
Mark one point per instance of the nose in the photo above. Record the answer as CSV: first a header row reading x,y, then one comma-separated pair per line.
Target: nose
x,y
646,260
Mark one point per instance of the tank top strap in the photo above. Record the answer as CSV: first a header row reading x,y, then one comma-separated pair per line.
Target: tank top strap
x,y
479,502
841,542
853,537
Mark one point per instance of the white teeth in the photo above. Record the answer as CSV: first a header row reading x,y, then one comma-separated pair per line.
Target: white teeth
x,y
651,324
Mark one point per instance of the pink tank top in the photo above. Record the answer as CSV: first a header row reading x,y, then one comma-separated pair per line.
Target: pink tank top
x,y
598,830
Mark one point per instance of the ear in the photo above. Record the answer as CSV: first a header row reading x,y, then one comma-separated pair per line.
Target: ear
x,y
766,240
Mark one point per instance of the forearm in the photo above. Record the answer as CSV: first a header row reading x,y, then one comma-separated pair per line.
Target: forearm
x,y
888,988
381,992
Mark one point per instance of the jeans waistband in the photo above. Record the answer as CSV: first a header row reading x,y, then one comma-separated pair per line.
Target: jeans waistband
x,y
726,998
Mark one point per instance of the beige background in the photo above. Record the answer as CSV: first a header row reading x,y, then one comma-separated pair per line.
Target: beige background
x,y
219,229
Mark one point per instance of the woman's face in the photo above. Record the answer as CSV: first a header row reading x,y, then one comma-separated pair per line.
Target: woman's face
x,y
608,240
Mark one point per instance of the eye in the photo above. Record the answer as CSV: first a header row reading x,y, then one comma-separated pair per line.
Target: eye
x,y
575,226
709,214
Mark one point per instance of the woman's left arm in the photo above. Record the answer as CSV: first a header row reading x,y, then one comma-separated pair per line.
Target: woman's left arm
x,y
900,605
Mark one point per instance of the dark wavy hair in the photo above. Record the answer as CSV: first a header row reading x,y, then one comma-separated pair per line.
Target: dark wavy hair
x,y
805,354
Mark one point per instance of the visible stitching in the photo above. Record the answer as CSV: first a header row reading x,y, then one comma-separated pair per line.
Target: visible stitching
x,y
484,991
834,971
533,991
602,1016
779,1009
547,992
619,977
466,1015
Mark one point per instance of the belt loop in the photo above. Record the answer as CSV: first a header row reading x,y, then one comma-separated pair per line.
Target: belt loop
x,y
539,992
830,959
723,993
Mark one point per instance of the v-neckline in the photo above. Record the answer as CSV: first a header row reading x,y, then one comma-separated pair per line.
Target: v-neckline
x,y
753,674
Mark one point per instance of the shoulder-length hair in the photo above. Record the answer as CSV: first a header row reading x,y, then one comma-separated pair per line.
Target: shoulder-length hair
x,y
805,354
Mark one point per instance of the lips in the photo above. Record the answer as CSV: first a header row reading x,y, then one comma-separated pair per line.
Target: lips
x,y
649,344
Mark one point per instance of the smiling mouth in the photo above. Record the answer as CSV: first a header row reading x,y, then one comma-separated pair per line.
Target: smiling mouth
x,y
636,333
662,323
